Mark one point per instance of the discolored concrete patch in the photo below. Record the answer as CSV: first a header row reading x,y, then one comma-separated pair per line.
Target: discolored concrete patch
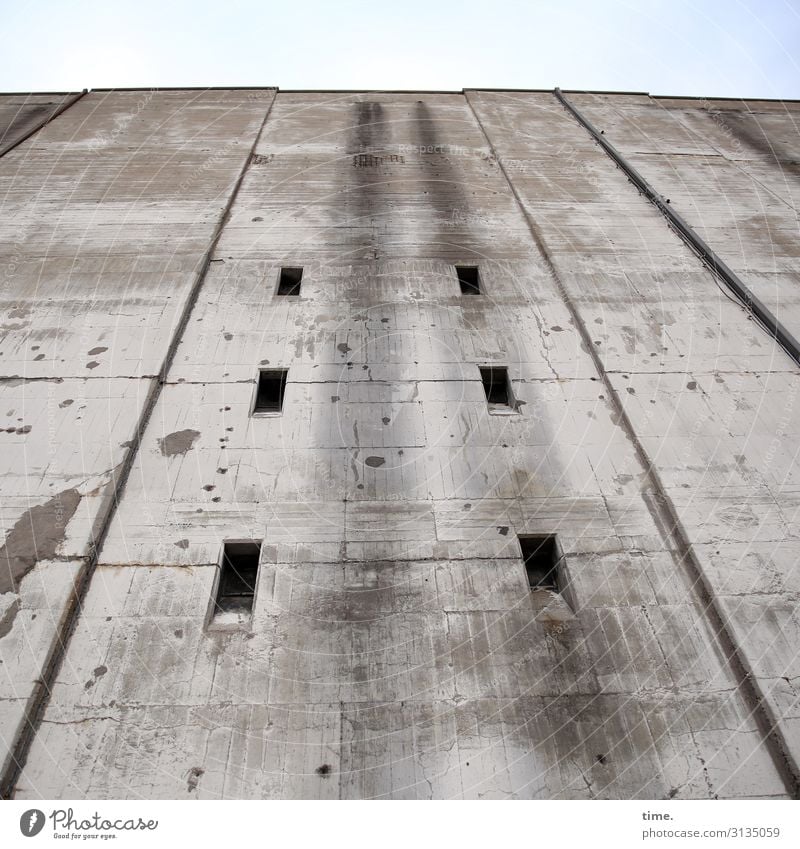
x,y
35,536
7,619
178,442
195,774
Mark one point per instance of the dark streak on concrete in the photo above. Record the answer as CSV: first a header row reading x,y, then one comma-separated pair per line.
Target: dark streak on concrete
x,y
369,134
35,536
747,129
443,183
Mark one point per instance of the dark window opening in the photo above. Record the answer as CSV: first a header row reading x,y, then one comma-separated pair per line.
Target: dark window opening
x,y
540,555
237,580
469,279
495,385
270,392
289,282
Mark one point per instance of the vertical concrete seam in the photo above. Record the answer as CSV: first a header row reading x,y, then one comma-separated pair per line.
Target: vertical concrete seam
x,y
42,124
41,697
754,306
751,691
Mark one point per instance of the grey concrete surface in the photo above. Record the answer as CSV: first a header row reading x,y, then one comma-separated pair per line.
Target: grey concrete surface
x,y
395,649
107,214
23,114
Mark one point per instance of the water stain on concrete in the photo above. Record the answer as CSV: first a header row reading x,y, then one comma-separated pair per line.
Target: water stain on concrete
x,y
178,442
35,536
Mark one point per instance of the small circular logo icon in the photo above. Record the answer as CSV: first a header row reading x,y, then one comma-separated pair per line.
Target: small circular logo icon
x,y
31,822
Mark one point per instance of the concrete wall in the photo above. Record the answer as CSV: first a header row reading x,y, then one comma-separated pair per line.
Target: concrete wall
x,y
731,169
107,215
395,649
727,450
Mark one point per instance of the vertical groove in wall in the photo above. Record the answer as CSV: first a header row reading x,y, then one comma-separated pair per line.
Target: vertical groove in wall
x,y
672,527
39,701
61,109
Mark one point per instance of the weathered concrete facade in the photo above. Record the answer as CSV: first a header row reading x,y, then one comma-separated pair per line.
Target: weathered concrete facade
x,y
395,648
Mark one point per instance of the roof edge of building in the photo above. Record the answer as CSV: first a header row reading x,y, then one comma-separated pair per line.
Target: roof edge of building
x,y
411,91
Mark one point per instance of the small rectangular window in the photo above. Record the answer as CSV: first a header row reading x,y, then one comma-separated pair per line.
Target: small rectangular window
x,y
238,576
469,279
540,555
270,391
496,387
289,281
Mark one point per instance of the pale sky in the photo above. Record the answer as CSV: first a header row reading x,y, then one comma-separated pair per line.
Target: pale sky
x,y
736,48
